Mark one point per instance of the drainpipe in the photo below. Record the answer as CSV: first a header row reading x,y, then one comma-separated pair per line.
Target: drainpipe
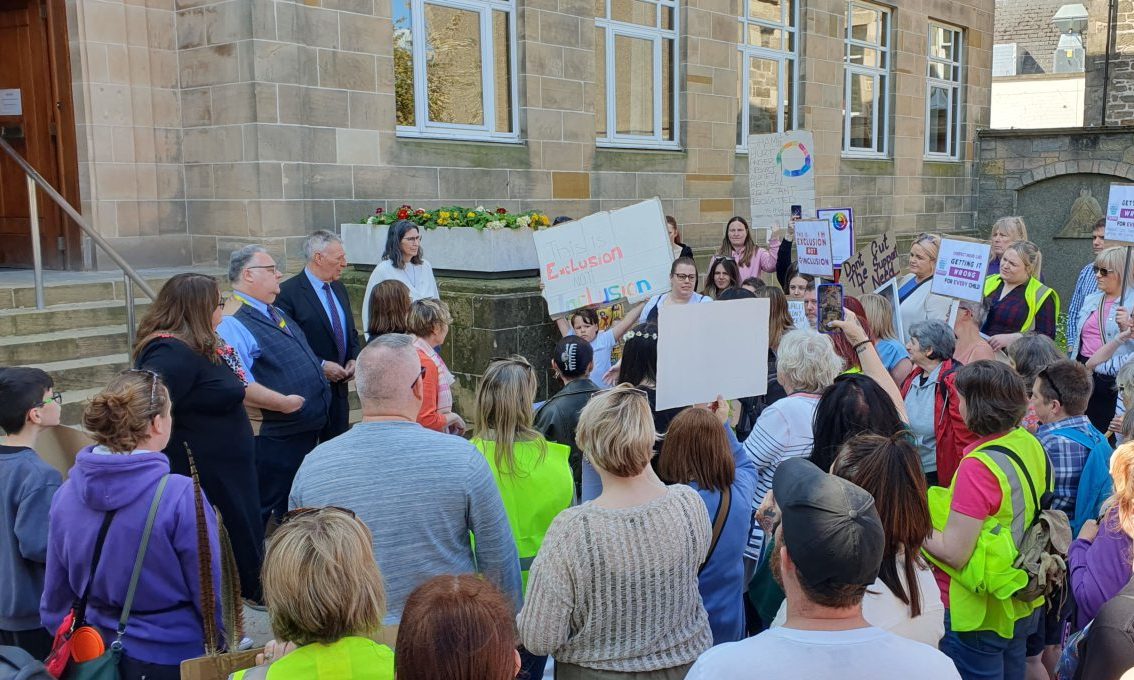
x,y
1112,18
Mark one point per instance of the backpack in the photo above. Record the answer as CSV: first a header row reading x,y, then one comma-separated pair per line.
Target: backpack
x,y
16,664
1095,484
1042,553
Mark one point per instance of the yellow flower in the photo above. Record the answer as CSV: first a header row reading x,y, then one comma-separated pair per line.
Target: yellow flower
x,y
444,214
471,214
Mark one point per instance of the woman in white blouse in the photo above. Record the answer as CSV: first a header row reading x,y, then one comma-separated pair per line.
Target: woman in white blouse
x,y
403,261
917,303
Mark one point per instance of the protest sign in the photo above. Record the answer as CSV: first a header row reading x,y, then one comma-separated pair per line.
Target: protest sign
x,y
1120,213
689,374
813,248
798,314
960,270
889,290
781,173
871,267
842,232
623,254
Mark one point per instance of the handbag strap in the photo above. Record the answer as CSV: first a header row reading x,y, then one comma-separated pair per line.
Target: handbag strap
x,y
718,524
80,605
1040,501
136,575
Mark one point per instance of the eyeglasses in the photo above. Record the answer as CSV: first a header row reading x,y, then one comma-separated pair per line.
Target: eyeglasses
x,y
154,377
420,376
300,512
222,302
265,266
56,397
1043,375
411,239
1103,271
685,277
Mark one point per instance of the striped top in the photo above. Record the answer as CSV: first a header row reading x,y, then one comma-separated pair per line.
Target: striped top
x,y
615,589
783,430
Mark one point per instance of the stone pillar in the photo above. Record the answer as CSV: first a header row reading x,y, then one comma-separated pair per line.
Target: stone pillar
x,y
1115,86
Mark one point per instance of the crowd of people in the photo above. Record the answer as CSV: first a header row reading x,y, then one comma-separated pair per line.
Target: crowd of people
x,y
934,488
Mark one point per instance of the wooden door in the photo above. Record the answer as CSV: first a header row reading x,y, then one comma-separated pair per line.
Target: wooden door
x,y
28,122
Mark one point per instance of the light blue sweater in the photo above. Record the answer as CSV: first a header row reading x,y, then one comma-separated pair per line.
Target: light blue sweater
x,y
421,493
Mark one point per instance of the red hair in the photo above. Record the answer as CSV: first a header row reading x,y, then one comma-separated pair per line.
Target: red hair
x,y
458,628
842,346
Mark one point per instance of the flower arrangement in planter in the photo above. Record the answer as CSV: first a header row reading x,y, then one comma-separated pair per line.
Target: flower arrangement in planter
x,y
456,216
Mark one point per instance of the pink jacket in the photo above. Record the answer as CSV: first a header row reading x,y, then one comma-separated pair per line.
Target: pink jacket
x,y
762,261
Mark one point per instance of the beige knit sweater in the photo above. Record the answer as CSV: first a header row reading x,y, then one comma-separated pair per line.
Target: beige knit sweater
x,y
616,589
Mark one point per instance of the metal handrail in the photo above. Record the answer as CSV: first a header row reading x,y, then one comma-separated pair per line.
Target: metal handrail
x,y
130,276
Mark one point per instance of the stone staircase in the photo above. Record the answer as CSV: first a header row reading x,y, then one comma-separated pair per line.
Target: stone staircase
x,y
80,337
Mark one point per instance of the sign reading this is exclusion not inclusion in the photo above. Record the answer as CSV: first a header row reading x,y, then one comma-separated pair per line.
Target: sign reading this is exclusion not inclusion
x,y
623,254
960,270
813,247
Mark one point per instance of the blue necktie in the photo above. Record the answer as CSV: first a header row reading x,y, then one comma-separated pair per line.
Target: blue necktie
x,y
336,325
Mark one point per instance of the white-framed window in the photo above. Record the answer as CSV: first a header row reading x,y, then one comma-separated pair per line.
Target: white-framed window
x,y
455,69
636,72
943,88
767,79
866,98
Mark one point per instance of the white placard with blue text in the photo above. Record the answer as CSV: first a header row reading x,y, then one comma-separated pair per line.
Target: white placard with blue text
x,y
623,254
842,232
813,248
960,270
1120,213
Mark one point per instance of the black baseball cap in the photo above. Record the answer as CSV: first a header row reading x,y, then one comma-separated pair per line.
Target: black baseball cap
x,y
572,356
830,526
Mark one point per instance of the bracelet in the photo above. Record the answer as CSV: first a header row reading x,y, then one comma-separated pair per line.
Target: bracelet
x,y
864,342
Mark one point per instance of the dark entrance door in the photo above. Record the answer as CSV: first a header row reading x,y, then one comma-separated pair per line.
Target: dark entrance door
x,y
31,116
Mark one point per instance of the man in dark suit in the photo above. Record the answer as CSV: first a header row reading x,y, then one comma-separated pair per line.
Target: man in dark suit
x,y
318,302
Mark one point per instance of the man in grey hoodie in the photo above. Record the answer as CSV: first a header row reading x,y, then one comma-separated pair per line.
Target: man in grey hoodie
x,y
28,405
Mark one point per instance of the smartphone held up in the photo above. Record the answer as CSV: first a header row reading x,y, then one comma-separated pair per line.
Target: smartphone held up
x,y
830,306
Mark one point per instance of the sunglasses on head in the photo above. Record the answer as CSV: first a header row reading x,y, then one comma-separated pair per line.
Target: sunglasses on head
x,y
1043,375
153,384
300,512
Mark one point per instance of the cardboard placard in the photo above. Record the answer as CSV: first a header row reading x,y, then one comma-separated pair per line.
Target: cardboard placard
x,y
623,254
220,666
842,232
871,267
813,248
59,445
687,374
781,173
960,270
1120,213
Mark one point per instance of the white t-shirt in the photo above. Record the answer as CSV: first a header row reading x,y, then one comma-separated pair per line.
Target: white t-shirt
x,y
602,346
882,609
417,277
793,654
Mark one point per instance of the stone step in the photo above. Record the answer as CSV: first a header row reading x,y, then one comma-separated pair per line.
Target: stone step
x,y
61,288
78,343
73,404
71,375
14,322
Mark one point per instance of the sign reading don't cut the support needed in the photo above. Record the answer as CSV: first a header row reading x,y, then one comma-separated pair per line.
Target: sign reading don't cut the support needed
x,y
623,254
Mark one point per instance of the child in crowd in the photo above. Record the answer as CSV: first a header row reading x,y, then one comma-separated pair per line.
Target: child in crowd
x,y
28,406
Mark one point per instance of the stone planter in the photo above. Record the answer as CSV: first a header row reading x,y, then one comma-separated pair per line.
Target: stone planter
x,y
491,253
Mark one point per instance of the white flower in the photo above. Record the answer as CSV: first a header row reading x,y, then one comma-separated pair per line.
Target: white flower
x,y
524,221
495,224
480,208
373,219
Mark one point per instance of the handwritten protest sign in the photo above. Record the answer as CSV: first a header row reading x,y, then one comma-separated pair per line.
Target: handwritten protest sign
x,y
842,232
1120,213
871,267
608,256
781,173
960,270
813,247
687,374
798,314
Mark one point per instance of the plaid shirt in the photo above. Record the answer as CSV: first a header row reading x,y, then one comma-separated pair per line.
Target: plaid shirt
x,y
1067,460
1084,286
1008,315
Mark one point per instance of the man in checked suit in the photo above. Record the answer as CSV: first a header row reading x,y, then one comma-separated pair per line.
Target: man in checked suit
x,y
318,302
274,350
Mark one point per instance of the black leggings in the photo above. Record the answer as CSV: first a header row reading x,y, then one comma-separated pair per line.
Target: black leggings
x,y
1104,400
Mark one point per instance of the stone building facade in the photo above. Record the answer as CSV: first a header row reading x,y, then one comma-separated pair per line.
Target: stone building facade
x,y
207,124
1110,73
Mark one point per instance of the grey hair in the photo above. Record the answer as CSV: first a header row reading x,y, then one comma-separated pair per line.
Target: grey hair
x,y
1124,382
238,261
935,335
978,310
386,367
808,360
317,242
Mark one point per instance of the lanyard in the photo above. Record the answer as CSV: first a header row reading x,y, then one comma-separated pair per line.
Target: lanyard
x,y
277,319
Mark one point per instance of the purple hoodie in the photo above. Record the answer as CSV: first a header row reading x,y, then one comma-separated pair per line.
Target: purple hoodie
x,y
1098,569
165,623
